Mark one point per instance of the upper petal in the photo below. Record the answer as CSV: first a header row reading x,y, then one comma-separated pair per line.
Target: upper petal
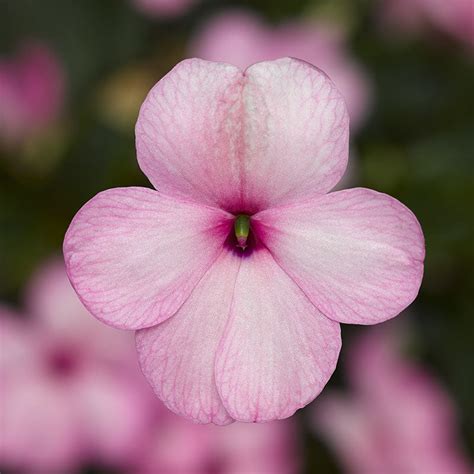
x,y
134,256
297,131
357,254
189,130
243,140
177,356
278,350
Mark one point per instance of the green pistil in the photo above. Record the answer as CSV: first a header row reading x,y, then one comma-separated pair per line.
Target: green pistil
x,y
242,229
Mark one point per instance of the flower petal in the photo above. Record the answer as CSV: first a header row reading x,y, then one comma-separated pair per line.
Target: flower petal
x,y
357,254
177,356
297,132
278,351
187,133
134,256
243,140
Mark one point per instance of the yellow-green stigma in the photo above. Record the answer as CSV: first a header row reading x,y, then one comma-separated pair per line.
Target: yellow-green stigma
x,y
242,229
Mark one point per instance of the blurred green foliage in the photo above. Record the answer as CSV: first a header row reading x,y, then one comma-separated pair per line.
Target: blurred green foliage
x,y
417,145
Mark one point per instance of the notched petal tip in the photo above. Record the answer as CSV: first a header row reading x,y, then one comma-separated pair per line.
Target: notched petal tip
x,y
284,115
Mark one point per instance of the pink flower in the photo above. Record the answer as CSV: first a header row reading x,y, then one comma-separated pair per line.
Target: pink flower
x,y
181,447
31,92
397,419
238,271
163,8
243,39
70,388
455,18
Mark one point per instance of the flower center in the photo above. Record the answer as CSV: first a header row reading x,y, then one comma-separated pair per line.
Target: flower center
x,y
242,230
62,362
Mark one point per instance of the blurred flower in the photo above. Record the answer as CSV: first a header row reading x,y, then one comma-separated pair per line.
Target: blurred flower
x,y
120,96
242,39
31,92
455,18
181,447
397,419
212,268
163,8
70,393
70,390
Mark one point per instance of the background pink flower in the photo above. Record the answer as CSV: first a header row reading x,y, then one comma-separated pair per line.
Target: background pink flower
x,y
181,447
397,417
71,390
242,38
31,91
164,8
229,334
454,18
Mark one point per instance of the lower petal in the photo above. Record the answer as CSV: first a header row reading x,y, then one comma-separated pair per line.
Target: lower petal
x,y
177,356
357,254
278,350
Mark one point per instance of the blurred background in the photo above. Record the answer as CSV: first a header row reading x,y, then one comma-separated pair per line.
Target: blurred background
x,y
73,74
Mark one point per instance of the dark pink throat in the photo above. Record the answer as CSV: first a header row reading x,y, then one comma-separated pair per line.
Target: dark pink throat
x,y
62,362
243,239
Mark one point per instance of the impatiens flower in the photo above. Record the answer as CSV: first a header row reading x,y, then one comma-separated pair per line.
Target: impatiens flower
x,y
181,447
398,419
31,92
242,39
163,8
238,270
454,18
70,388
